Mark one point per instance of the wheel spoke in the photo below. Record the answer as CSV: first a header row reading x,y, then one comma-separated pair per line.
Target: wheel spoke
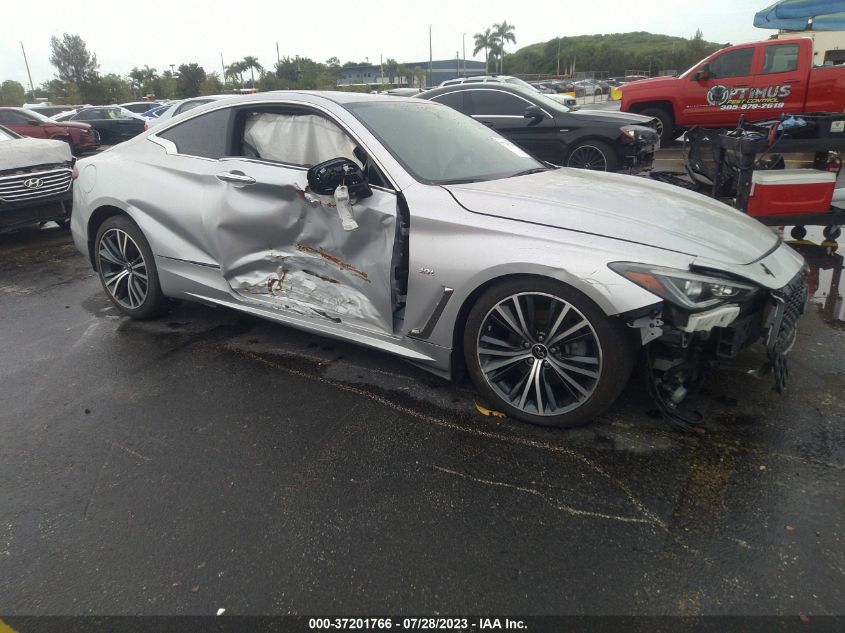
x,y
508,319
529,384
585,360
553,330
570,330
504,362
114,279
571,381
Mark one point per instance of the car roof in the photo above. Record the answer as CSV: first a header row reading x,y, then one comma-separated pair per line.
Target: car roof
x,y
493,85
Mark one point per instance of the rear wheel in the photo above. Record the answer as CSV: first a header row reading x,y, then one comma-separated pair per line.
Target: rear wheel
x,y
594,155
665,124
544,353
127,269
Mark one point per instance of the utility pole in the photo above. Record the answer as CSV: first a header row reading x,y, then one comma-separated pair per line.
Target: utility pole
x,y
430,57
223,66
464,45
457,63
28,74
381,71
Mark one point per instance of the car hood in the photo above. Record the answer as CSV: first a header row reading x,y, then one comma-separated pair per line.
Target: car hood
x,y
619,118
28,152
648,84
623,207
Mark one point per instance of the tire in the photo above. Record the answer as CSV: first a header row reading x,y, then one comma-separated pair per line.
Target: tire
x,y
503,360
666,124
593,155
124,258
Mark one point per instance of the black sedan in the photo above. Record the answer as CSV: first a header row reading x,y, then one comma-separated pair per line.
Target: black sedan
x,y
112,122
588,139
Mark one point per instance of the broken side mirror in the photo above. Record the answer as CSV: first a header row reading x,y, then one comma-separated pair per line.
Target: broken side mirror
x,y
703,73
534,113
325,178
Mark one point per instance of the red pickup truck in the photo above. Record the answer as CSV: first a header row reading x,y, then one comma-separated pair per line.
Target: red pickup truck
x,y
761,80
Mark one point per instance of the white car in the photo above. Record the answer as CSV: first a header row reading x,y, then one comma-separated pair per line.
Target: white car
x,y
178,107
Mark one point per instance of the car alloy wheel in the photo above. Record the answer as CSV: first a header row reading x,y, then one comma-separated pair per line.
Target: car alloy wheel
x,y
587,157
123,268
539,353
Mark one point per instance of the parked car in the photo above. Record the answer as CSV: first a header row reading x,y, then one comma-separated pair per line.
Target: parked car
x,y
543,88
591,87
80,136
113,123
406,226
36,176
52,110
179,107
479,79
404,92
155,112
570,102
758,81
138,107
543,127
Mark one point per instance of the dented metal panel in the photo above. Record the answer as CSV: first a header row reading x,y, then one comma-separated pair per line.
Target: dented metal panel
x,y
285,248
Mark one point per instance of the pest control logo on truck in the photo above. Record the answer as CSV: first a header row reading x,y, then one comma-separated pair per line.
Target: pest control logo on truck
x,y
768,97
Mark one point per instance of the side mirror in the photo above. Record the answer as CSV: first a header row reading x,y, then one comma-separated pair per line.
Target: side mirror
x,y
534,113
703,73
324,178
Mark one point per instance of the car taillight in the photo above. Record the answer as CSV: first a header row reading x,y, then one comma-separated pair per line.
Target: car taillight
x,y
834,163
74,173
146,126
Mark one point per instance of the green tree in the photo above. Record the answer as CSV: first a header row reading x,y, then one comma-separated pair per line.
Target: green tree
x,y
504,33
108,89
391,67
235,71
251,64
72,60
166,86
12,93
189,79
211,85
484,41
136,80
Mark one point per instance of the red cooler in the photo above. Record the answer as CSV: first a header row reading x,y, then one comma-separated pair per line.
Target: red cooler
x,y
790,191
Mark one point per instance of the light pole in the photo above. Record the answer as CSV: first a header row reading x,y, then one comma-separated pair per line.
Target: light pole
x,y
223,66
430,57
28,74
464,46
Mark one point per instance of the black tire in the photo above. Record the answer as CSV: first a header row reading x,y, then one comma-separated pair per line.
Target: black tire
x,y
606,337
667,124
118,268
592,148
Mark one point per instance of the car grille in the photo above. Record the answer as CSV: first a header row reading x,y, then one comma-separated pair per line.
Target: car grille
x,y
791,300
33,185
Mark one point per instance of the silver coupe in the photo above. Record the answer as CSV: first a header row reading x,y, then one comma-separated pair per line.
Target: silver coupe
x,y
405,226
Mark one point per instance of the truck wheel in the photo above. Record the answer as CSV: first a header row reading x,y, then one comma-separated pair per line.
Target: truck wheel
x,y
665,124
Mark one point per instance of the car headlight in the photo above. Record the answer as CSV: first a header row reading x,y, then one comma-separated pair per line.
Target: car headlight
x,y
685,289
638,132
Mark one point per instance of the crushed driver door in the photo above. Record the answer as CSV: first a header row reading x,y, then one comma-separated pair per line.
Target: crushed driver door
x,y
284,248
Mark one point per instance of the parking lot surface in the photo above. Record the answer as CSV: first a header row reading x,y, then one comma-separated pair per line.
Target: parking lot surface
x,y
210,460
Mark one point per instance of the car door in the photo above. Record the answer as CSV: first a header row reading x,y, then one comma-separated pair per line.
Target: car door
x,y
98,119
714,99
781,83
285,249
504,111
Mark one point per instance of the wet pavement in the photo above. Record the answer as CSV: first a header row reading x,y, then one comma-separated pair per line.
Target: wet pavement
x,y
210,460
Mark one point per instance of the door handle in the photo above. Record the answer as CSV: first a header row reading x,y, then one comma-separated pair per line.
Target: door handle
x,y
236,178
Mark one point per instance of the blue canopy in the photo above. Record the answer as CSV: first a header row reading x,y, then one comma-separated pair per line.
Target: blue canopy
x,y
800,15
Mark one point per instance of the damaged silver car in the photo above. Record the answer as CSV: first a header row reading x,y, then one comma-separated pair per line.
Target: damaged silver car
x,y
406,226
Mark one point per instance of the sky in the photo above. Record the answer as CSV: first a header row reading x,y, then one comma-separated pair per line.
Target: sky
x,y
126,34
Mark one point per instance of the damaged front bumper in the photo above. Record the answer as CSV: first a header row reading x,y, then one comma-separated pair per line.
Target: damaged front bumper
x,y
682,345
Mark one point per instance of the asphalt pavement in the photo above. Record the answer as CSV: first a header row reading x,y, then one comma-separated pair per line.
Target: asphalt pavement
x,y
211,460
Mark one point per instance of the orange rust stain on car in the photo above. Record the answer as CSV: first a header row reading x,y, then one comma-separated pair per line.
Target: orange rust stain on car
x,y
334,260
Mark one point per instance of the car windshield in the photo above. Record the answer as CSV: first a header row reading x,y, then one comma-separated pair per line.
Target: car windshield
x,y
36,115
544,100
516,81
5,136
439,145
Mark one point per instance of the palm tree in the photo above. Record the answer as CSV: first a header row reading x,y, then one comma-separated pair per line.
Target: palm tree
x,y
484,40
504,32
251,64
234,71
136,79
149,73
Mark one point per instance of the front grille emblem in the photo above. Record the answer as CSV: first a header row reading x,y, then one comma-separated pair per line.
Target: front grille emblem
x,y
33,183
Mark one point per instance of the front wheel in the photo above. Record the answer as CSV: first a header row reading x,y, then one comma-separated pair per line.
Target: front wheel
x,y
544,353
665,124
127,269
593,155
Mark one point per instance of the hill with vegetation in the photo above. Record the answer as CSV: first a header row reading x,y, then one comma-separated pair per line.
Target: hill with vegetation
x,y
613,53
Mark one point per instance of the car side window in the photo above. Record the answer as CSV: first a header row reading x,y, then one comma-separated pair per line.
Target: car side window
x,y
204,136
12,118
735,63
454,100
188,105
496,103
780,58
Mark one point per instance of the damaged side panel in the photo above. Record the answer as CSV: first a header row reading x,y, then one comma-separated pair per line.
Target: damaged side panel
x,y
285,248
